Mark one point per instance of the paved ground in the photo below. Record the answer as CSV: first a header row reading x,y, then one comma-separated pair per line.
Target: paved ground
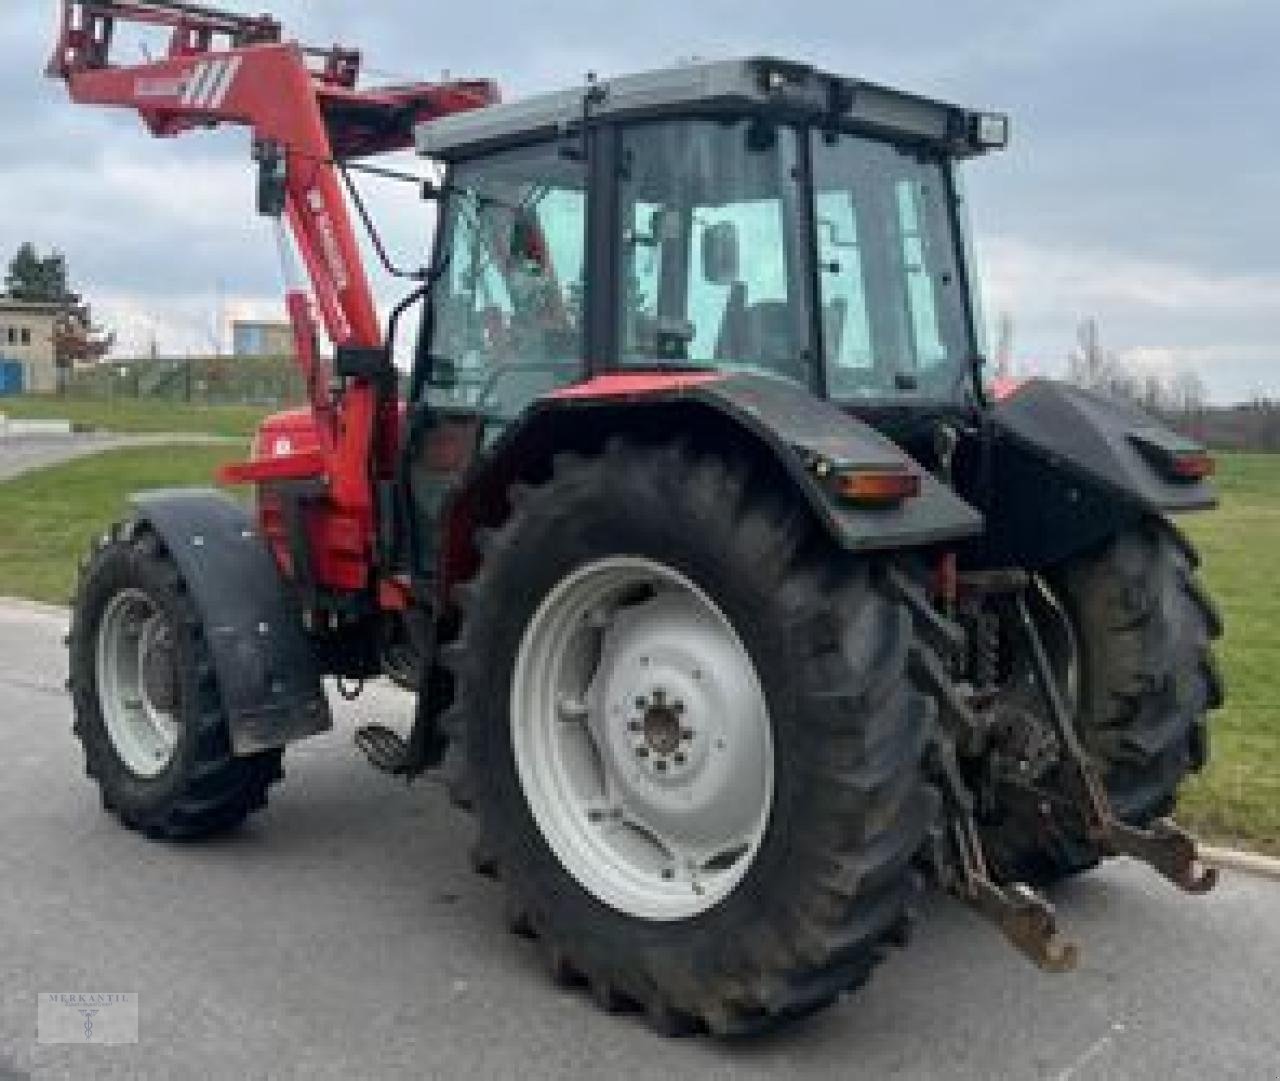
x,y
342,936
19,453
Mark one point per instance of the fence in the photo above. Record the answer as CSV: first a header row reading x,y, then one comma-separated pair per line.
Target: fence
x,y
259,381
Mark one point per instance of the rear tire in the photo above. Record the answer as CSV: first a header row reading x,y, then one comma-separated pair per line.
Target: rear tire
x,y
195,786
829,881
1147,680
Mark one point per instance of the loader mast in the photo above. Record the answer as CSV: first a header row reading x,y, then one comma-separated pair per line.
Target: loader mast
x,y
306,116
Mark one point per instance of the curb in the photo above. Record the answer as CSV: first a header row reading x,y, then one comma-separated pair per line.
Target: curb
x,y
1249,863
36,608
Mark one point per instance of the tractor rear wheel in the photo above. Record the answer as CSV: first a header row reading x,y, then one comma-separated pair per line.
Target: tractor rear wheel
x,y
147,707
685,729
1141,680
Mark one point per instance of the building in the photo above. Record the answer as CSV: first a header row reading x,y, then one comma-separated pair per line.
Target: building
x,y
261,338
27,338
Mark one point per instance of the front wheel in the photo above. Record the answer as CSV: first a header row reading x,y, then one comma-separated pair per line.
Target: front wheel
x,y
147,708
689,740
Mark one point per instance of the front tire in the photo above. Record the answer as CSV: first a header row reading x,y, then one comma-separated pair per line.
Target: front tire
x,y
808,652
146,701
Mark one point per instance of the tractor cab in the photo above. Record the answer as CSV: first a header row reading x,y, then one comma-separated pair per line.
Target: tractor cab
x,y
745,217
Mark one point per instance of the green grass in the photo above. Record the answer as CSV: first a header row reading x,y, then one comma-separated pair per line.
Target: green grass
x,y
50,514
132,415
1237,799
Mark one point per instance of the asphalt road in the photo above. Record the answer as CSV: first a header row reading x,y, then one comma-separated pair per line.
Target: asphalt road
x,y
20,453
342,935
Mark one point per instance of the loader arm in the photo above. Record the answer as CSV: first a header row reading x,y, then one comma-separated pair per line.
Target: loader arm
x,y
304,104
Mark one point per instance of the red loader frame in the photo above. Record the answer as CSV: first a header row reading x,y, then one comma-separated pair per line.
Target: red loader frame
x,y
301,104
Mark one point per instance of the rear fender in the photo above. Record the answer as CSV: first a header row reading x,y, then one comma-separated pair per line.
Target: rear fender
x,y
266,671
781,429
1067,468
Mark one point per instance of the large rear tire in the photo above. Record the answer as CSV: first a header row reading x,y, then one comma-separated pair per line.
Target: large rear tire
x,y
1142,628
147,707
708,613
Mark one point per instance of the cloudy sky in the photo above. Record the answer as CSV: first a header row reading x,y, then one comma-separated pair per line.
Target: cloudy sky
x,y
1142,189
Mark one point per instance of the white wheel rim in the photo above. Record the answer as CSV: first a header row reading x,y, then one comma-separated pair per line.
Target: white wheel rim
x,y
143,730
641,738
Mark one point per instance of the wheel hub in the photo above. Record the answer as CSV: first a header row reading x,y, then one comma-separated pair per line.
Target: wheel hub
x,y
663,732
159,675
137,682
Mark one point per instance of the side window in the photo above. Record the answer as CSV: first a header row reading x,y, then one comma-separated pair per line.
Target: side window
x,y
508,313
711,267
846,328
929,350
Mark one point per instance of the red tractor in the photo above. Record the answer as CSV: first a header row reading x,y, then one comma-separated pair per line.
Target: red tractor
x,y
736,608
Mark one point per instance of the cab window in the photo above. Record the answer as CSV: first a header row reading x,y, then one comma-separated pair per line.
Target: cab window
x,y
508,310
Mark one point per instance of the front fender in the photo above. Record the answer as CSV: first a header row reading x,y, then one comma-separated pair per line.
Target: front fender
x,y
266,671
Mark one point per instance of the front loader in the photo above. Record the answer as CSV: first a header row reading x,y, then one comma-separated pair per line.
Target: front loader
x,y
737,606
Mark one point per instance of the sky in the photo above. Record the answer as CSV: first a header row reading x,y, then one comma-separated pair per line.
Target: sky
x,y
1141,189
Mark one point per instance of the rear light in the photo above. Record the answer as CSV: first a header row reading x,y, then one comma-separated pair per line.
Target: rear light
x,y
1172,455
1194,466
879,487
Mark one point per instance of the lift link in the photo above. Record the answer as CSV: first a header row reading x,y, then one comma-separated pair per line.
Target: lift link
x,y
1025,918
1165,847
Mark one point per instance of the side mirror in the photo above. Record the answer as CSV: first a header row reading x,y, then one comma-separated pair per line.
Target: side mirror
x,y
273,176
720,253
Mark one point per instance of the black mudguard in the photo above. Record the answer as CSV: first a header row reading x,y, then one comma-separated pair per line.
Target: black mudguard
x,y
1066,468
774,423
267,674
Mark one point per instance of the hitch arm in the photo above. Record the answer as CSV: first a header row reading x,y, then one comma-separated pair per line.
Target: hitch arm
x,y
1165,847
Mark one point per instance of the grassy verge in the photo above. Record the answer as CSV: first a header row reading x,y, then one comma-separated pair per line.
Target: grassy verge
x,y
135,416
50,514
1237,799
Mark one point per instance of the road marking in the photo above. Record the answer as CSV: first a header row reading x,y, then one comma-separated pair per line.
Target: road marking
x,y
1097,1048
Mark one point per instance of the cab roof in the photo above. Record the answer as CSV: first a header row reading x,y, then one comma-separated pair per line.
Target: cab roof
x,y
755,85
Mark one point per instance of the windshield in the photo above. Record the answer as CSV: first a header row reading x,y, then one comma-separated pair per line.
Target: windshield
x,y
891,295
712,263
508,310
